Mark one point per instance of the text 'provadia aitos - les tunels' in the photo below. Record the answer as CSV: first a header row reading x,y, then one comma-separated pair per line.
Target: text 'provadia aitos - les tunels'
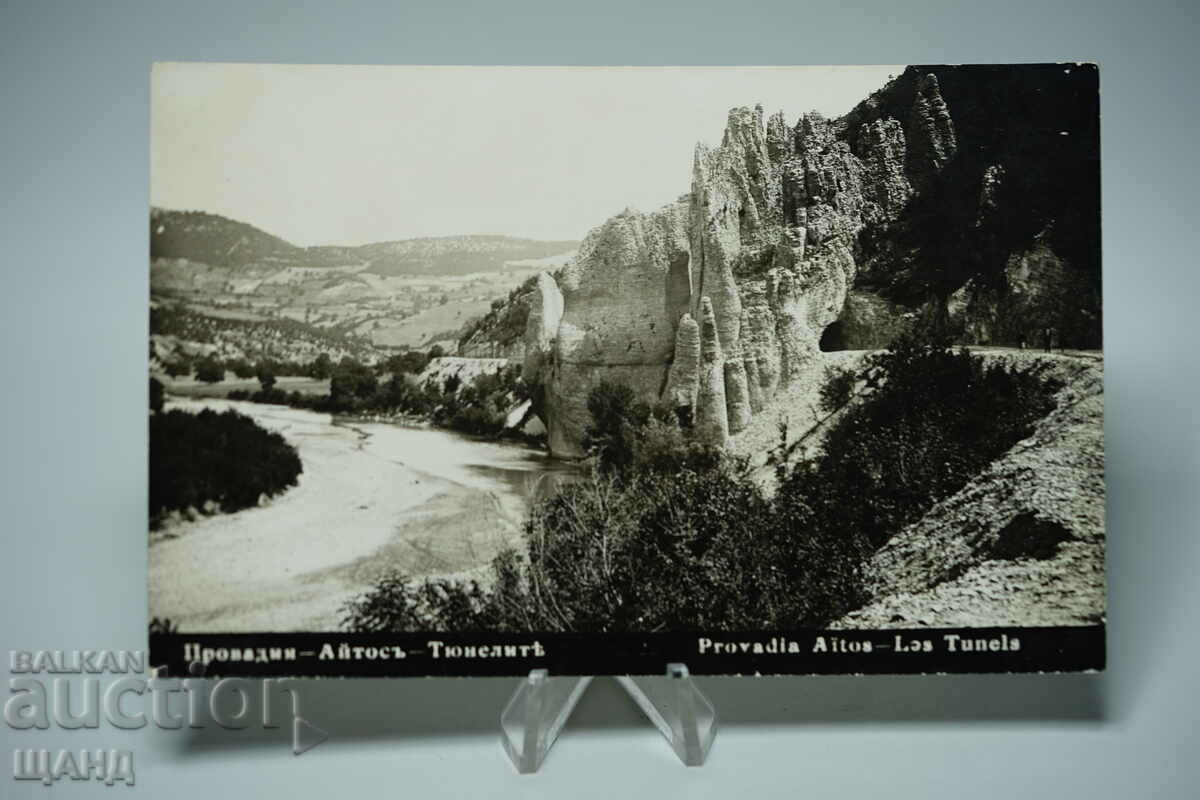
x,y
780,645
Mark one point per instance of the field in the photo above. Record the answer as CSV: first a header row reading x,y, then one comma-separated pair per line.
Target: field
x,y
428,326
341,312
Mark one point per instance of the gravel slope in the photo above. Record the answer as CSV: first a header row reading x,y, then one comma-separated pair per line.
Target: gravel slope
x,y
1023,543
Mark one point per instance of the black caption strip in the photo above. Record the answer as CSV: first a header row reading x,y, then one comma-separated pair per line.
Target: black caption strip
x,y
810,652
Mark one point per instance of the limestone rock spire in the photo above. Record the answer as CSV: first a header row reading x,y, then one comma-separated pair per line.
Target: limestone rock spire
x,y
712,421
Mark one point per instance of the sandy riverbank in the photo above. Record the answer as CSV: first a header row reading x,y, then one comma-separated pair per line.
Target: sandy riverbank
x,y
371,497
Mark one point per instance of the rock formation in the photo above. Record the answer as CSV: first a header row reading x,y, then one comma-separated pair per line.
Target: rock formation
x,y
712,419
933,139
683,376
541,326
714,302
621,303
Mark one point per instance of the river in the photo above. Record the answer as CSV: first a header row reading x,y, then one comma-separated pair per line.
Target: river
x,y
372,497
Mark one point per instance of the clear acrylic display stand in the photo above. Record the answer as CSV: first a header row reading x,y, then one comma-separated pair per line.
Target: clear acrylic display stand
x,y
541,705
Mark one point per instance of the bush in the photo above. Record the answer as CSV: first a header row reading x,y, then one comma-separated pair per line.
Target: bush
x,y
412,362
934,418
156,394
352,384
692,549
631,436
265,372
696,549
321,367
396,603
241,368
179,368
836,389
221,457
210,370
479,407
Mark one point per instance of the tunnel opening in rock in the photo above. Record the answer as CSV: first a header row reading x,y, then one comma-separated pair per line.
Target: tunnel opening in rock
x,y
833,338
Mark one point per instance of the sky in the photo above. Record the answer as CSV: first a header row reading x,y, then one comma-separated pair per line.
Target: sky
x,y
345,155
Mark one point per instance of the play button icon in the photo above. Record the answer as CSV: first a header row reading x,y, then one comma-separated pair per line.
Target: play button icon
x,y
305,735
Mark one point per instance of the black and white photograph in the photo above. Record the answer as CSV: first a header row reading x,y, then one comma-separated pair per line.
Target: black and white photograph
x,y
765,370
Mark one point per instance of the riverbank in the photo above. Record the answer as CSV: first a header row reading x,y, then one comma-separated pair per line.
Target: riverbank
x,y
372,497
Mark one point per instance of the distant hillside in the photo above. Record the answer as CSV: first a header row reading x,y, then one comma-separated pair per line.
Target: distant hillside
x,y
456,255
221,242
214,240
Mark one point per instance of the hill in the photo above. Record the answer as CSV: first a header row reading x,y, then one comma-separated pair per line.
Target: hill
x,y
214,240
397,294
218,241
456,255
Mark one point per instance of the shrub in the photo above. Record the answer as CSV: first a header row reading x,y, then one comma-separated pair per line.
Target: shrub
x,y
506,320
265,372
396,603
242,368
934,418
617,415
321,367
179,368
156,394
210,370
628,435
411,362
837,388
697,549
351,384
222,457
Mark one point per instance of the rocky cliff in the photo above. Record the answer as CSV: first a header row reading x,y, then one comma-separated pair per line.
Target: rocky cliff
x,y
906,205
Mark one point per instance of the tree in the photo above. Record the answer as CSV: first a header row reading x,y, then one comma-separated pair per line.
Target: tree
x,y
351,383
265,371
156,394
224,458
321,367
437,351
837,388
179,368
241,368
210,371
411,362
616,415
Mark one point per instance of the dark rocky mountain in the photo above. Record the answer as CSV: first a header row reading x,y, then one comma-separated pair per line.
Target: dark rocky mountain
x,y
1012,213
217,241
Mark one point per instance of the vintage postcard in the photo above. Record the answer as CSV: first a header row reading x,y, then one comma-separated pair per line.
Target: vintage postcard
x,y
476,370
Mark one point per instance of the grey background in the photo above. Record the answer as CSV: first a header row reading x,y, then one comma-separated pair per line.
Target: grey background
x,y
73,147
